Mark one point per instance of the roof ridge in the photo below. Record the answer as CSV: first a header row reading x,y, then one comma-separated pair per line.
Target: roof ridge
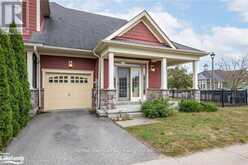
x,y
87,12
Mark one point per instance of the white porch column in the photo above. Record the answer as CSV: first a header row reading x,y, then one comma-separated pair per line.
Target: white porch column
x,y
195,74
111,71
101,65
164,84
30,68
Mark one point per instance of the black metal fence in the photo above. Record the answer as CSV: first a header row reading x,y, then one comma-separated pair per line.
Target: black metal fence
x,y
225,97
182,94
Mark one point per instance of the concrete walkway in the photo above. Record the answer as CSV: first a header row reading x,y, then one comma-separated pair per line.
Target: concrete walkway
x,y
234,155
136,122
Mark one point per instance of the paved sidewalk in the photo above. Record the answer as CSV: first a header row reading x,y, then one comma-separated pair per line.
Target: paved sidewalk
x,y
234,155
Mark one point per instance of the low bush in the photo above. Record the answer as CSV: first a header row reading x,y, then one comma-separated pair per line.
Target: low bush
x,y
209,107
189,106
194,106
156,108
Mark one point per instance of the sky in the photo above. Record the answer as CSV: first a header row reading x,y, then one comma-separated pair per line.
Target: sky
x,y
219,26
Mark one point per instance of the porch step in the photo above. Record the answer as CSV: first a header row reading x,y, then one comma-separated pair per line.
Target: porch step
x,y
128,103
131,107
135,115
125,115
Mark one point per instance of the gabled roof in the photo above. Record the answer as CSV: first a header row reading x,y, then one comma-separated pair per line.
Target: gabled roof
x,y
143,17
75,29
71,28
219,75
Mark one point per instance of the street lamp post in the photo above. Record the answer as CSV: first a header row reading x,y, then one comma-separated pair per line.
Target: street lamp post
x,y
212,55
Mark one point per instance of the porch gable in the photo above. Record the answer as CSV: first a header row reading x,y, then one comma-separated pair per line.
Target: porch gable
x,y
139,32
141,28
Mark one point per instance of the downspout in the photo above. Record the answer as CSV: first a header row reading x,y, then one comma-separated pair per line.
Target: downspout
x,y
99,79
38,75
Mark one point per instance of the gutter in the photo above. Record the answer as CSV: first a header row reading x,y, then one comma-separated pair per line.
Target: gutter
x,y
38,45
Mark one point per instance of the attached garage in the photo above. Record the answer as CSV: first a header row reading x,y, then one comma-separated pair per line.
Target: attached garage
x,y
67,89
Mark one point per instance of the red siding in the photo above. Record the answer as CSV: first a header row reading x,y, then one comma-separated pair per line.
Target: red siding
x,y
155,77
140,33
59,62
30,19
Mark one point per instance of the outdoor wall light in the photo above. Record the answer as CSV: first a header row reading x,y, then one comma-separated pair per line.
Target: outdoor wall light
x,y
153,68
70,65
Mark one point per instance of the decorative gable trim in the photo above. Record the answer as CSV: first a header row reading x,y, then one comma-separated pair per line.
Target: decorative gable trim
x,y
149,23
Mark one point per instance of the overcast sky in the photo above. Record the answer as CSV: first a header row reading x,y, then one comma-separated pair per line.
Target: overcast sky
x,y
212,25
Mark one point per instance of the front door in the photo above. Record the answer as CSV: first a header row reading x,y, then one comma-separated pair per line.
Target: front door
x,y
123,83
129,83
136,84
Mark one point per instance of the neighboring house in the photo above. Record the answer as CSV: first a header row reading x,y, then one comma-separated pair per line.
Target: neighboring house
x,y
222,79
205,78
81,60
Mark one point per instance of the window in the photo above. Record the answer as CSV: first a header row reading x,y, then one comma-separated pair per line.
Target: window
x,y
50,80
61,79
65,79
74,79
77,79
55,79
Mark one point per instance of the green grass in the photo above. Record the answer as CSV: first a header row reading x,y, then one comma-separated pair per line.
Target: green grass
x,y
185,133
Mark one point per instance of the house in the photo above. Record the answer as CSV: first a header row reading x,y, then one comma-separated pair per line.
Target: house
x,y
205,78
79,60
221,79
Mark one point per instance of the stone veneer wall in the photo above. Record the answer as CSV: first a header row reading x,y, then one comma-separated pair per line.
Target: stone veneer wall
x,y
108,99
34,101
180,94
157,93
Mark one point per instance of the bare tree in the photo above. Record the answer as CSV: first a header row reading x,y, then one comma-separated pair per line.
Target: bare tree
x,y
236,70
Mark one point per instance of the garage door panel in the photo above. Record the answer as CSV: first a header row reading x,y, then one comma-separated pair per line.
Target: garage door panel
x,y
68,91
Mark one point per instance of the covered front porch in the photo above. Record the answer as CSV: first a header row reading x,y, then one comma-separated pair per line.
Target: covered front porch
x,y
132,73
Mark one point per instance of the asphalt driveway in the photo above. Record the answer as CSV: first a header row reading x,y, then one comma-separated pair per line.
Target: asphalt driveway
x,y
70,138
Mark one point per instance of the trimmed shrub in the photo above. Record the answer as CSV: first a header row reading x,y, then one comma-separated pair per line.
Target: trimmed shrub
x,y
156,108
194,106
209,107
12,79
21,63
189,106
6,130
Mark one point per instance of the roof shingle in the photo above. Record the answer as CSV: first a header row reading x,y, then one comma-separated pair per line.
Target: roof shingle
x,y
78,29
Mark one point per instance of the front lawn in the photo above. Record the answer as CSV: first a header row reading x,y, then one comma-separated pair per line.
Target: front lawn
x,y
184,133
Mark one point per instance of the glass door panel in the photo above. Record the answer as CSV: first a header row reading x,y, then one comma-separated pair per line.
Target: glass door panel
x,y
123,83
135,84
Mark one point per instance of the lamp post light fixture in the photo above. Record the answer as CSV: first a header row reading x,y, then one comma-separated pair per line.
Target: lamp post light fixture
x,y
212,55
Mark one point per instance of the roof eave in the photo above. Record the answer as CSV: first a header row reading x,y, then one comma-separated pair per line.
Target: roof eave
x,y
103,44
